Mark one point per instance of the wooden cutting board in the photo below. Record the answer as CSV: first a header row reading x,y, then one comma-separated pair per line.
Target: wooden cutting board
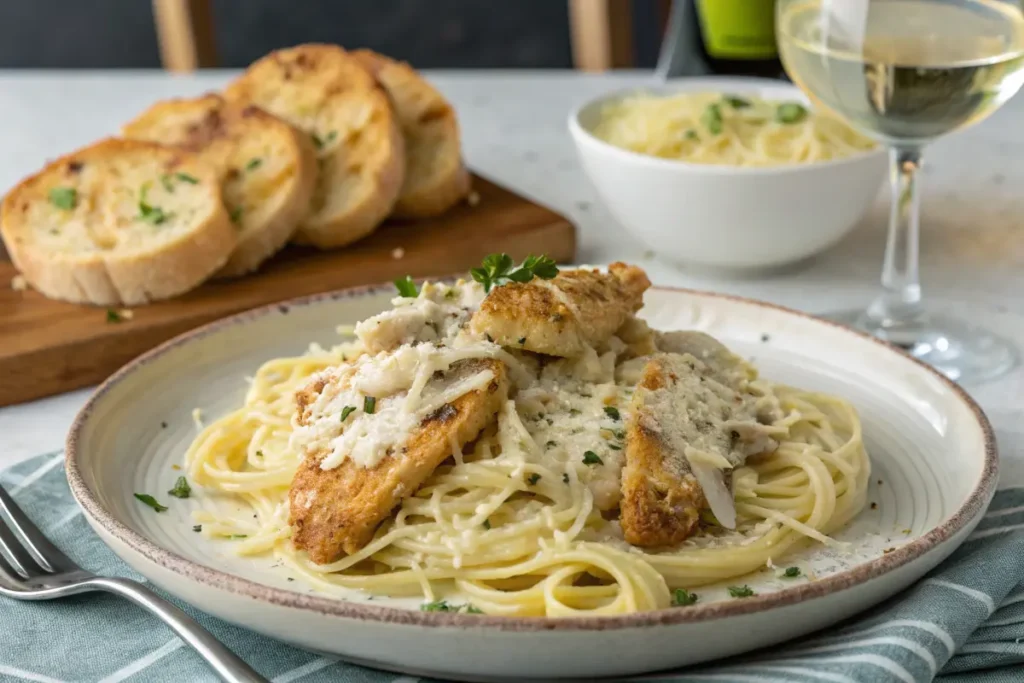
x,y
49,347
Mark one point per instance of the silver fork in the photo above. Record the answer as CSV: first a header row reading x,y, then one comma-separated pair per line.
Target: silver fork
x,y
36,570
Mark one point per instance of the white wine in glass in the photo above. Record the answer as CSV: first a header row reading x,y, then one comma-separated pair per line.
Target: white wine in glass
x,y
905,72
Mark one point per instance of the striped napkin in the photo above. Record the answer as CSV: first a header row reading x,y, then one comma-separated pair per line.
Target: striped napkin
x,y
963,623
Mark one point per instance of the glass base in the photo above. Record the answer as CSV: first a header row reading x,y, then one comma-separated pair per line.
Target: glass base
x,y
962,352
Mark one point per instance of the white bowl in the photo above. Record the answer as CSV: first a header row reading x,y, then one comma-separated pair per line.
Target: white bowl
x,y
727,216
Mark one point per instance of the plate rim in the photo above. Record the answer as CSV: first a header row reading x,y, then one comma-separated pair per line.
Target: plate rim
x,y
189,570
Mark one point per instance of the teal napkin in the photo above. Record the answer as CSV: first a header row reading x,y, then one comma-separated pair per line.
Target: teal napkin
x,y
963,623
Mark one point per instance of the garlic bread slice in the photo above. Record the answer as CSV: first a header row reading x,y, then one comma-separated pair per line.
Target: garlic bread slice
x,y
435,177
267,168
326,93
118,222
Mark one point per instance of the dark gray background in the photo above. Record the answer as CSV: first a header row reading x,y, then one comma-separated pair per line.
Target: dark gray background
x,y
427,33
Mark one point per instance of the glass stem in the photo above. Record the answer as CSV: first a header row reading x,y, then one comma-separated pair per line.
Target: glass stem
x,y
899,305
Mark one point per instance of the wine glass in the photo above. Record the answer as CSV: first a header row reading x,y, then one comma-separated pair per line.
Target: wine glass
x,y
905,72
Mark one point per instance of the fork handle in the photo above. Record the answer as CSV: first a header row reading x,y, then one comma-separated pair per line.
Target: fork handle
x,y
225,662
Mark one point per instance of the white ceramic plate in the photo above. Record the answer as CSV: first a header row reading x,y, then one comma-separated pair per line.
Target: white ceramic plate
x,y
933,453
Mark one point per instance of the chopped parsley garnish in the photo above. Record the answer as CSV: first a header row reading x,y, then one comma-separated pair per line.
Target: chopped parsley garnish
x,y
591,458
550,444
406,287
791,572
712,119
691,134
197,528
346,411
369,405
181,488
165,180
186,178
790,112
321,142
574,411
113,316
533,478
741,591
253,164
238,536
149,213
620,434
565,477
612,412
487,524
149,500
614,447
438,606
64,197
736,102
500,269
683,598
443,606
236,214
522,340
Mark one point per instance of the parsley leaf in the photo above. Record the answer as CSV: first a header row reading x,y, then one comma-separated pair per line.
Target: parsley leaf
x,y
406,287
736,102
691,134
235,214
612,412
64,197
186,178
253,164
487,524
791,572
149,500
591,458
438,606
790,112
197,528
712,119
741,591
165,180
443,606
149,213
565,478
499,269
346,411
321,142
684,598
181,488
533,478
238,536
113,316
369,405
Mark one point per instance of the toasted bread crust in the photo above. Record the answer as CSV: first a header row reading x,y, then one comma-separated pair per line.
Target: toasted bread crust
x,y
351,501
591,306
661,499
270,199
435,177
99,251
323,91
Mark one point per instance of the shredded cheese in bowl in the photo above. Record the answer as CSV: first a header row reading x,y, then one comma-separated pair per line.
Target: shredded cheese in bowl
x,y
726,129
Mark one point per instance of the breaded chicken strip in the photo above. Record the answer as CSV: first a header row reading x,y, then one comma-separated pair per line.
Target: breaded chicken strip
x,y
560,317
686,426
336,511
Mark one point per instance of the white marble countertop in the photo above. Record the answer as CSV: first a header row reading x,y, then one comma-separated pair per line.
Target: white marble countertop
x,y
514,132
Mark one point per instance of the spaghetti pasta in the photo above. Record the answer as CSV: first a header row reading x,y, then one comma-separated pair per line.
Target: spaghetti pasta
x,y
517,524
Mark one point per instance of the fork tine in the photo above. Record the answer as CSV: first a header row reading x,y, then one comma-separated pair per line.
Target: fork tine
x,y
46,554
20,559
9,578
